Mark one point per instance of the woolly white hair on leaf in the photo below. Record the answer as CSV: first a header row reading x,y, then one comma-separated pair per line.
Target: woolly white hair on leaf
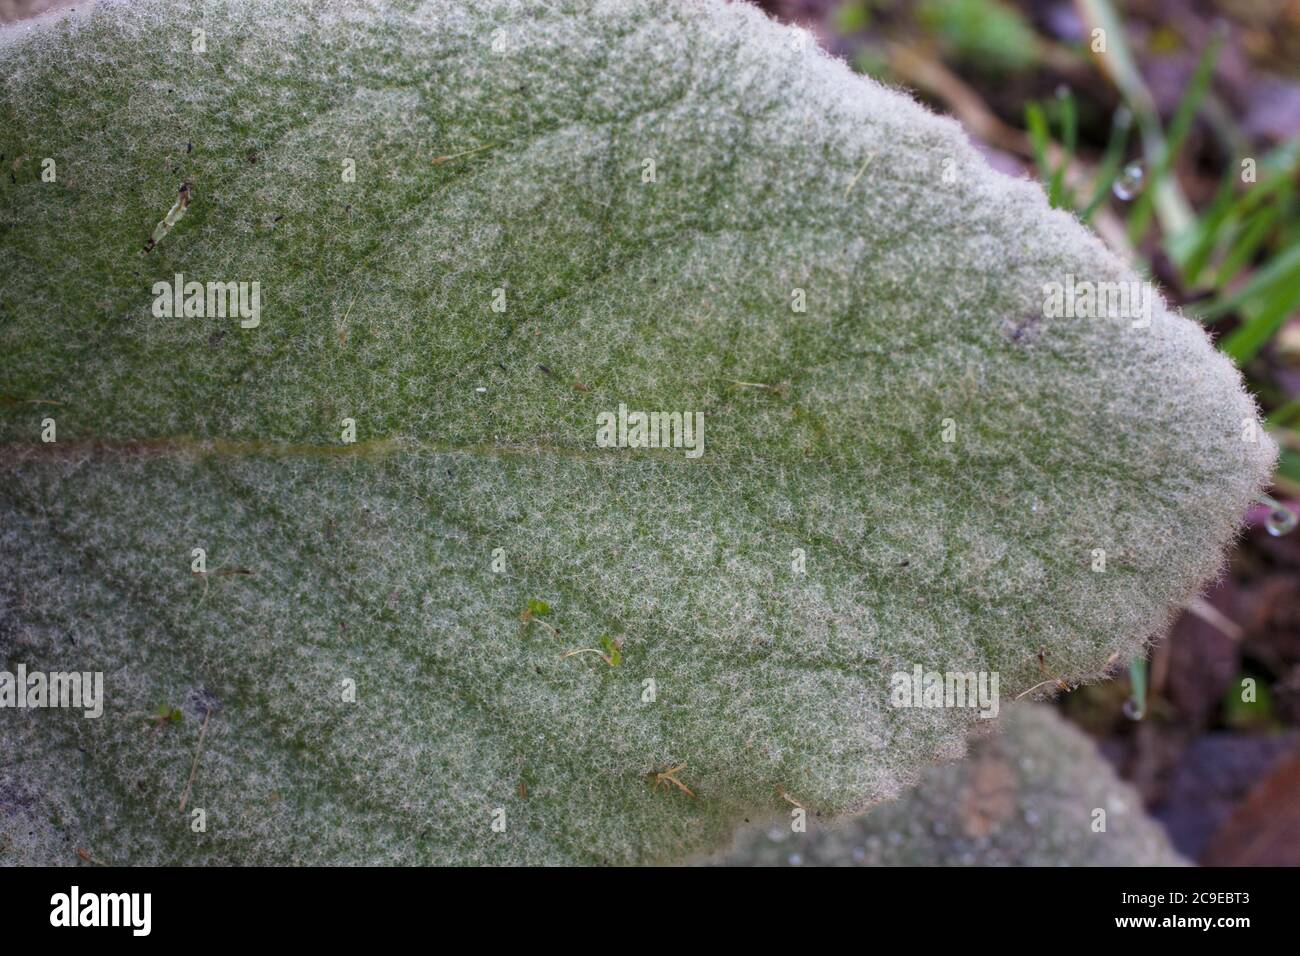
x,y
476,227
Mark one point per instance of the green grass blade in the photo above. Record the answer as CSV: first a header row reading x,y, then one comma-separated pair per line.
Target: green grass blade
x,y
1277,271
1179,127
1248,242
1120,126
1245,343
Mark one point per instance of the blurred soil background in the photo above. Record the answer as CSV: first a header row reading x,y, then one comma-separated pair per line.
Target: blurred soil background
x,y
1188,89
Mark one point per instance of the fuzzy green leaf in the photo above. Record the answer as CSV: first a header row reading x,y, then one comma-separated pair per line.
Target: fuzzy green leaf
x,y
558,208
1036,794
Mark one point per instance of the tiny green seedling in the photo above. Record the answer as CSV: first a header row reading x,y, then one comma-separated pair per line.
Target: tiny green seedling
x,y
536,608
166,714
611,655
535,611
613,649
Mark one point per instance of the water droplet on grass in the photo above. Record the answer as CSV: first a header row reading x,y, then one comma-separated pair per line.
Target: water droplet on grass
x,y
1133,710
1130,181
1280,521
